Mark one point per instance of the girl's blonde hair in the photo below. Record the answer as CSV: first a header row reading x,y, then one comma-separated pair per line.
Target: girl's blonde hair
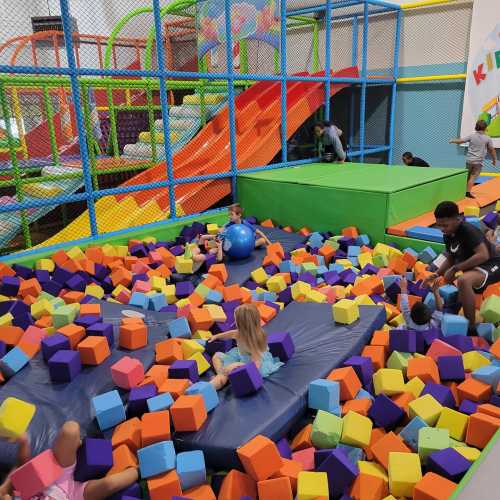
x,y
250,332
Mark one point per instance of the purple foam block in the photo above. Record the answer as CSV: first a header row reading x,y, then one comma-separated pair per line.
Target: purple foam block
x,y
177,250
139,277
186,369
42,276
377,298
275,306
345,243
251,219
402,341
53,287
321,455
23,321
102,330
76,282
210,260
370,269
87,299
18,308
418,290
314,251
284,448
184,289
171,308
100,272
199,227
61,275
10,286
150,247
285,296
460,342
440,393
3,348
348,276
219,345
332,278
87,320
495,400
392,291
299,245
229,307
224,327
281,345
363,366
430,335
340,254
468,407
137,399
93,459
5,306
180,241
451,367
251,285
385,413
64,366
23,272
491,220
271,269
449,464
138,250
294,277
245,380
53,343
340,470
107,285
307,278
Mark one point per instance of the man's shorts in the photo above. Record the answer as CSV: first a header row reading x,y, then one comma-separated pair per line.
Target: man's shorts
x,y
474,169
491,271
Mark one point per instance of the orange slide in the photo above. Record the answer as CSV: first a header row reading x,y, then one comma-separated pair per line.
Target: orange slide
x,y
258,140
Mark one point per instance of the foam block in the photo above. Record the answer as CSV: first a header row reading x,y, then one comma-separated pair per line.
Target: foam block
x,y
94,459
179,328
356,430
385,413
326,430
455,422
453,324
430,440
490,309
15,417
188,413
236,484
127,373
340,471
207,391
94,350
363,366
12,362
281,345
64,366
109,409
324,395
50,345
345,311
275,488
191,469
133,336
312,485
449,464
451,368
184,369
385,446
481,429
128,434
427,408
348,380
161,402
388,381
156,458
155,427
410,433
245,380
432,486
260,458
404,473
36,475
474,390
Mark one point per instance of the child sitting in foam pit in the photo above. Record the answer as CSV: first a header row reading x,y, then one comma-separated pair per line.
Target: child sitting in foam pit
x,y
251,345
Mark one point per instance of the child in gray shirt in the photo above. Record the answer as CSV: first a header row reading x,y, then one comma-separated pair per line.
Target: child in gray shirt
x,y
479,145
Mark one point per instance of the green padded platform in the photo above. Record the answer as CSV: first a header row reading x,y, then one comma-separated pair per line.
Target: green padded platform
x,y
326,196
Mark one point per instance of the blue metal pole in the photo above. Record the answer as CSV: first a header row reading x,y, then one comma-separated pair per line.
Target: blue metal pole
x,y
328,51
320,8
230,92
388,5
364,72
284,152
164,109
80,123
395,74
354,62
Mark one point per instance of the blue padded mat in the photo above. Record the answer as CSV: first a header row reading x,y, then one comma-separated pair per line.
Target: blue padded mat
x,y
60,402
239,270
320,347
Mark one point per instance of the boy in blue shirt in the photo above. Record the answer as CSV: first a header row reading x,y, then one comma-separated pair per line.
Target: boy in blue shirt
x,y
235,213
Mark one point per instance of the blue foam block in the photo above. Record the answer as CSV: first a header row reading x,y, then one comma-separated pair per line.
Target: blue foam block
x,y
489,374
191,469
453,324
179,328
139,299
156,458
157,301
486,330
13,362
409,433
449,294
427,255
109,409
425,233
161,402
207,391
324,395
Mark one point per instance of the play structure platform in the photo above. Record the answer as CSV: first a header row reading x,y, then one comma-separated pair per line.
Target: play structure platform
x,y
326,196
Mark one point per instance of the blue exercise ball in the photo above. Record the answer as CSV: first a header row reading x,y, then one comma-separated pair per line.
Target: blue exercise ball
x,y
239,241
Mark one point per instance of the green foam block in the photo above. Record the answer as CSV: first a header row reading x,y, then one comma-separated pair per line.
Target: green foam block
x,y
326,431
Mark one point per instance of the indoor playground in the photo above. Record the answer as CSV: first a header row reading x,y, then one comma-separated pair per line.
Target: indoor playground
x,y
220,275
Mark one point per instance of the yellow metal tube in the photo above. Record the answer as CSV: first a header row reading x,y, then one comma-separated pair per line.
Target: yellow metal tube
x,y
430,78
425,3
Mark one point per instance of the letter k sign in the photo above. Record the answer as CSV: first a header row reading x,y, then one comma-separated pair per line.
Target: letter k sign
x,y
479,74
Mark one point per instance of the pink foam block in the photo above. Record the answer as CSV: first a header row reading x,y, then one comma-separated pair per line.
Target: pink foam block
x,y
384,272
140,268
36,475
142,286
330,294
127,373
480,343
155,257
184,311
34,335
124,296
439,348
305,457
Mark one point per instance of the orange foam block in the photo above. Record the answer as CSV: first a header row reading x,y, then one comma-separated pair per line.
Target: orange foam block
x,y
377,434
121,276
164,486
155,427
350,232
94,350
302,439
376,353
6,270
260,458
432,486
489,409
267,313
368,286
271,489
90,309
481,429
361,406
156,375
475,390
219,271
175,386
267,223
412,300
200,319
123,459
424,368
348,380
188,413
73,332
236,484
73,297
202,492
129,434
386,444
167,351
276,249
403,400
366,487
232,292
495,349
133,336
30,287
289,469
11,335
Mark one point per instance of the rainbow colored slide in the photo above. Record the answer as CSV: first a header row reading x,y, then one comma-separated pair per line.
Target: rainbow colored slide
x,y
258,140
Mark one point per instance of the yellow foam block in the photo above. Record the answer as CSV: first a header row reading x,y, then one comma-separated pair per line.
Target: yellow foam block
x,y
471,211
315,296
455,422
42,308
404,472
212,228
95,291
398,320
281,305
150,239
276,284
298,251
113,300
75,253
300,290
190,347
15,417
364,300
169,292
372,469
121,250
3,298
45,265
259,289
183,265
365,258
201,362
183,302
158,283
415,386
340,292
388,381
117,290
259,276
356,430
390,497
109,250
311,485
202,334
346,263
382,249
474,360
345,311
427,408
470,453
6,319
216,312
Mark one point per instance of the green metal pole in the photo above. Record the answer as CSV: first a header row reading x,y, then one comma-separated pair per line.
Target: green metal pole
x,y
15,165
203,67
243,56
112,123
276,61
49,110
315,48
90,136
151,122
